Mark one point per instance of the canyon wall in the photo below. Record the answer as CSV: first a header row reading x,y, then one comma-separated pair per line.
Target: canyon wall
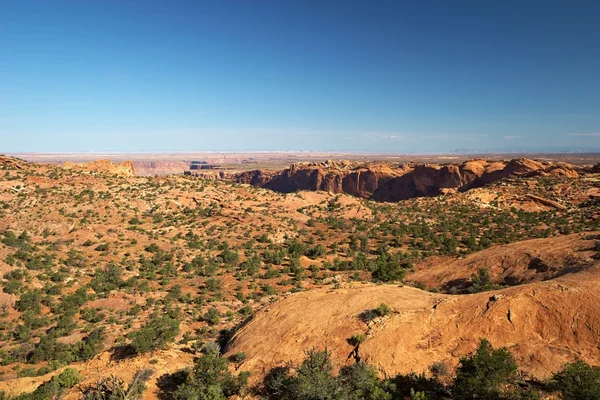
x,y
395,182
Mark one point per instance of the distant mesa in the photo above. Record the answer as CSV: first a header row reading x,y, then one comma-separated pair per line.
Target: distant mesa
x,y
200,165
197,164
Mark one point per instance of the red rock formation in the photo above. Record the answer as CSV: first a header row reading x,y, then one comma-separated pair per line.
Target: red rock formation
x,y
395,182
103,166
7,163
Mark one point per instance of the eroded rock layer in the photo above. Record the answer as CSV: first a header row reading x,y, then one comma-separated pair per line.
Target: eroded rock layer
x,y
544,323
395,182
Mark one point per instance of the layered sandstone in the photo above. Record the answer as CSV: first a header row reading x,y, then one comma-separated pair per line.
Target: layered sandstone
x,y
394,182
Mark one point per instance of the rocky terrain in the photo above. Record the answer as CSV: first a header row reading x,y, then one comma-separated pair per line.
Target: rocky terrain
x,y
395,182
102,166
106,273
552,319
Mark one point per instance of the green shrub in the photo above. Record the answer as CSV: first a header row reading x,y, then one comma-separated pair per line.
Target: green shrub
x,y
578,381
69,378
210,379
382,310
156,334
212,316
387,269
480,375
89,346
102,247
316,252
113,388
359,381
55,387
355,340
107,279
30,301
314,379
481,282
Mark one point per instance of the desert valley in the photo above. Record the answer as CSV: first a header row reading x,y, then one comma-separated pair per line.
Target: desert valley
x,y
299,200
359,278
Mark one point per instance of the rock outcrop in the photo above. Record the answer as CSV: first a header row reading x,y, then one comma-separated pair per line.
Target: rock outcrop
x,y
7,163
103,166
395,182
543,323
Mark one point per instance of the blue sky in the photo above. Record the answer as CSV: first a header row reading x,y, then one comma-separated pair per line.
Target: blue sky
x,y
372,76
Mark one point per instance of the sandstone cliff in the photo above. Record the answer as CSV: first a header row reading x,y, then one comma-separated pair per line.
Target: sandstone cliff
x,y
394,182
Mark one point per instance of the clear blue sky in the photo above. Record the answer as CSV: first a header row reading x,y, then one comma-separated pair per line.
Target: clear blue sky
x,y
419,76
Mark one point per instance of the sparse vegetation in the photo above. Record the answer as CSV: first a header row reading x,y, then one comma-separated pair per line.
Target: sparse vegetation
x,y
577,381
96,262
486,374
114,388
210,378
156,334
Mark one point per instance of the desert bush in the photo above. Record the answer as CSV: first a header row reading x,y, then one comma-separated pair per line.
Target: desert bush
x,y
355,340
229,257
12,287
75,259
387,269
212,316
359,381
30,301
92,315
274,255
577,381
49,349
54,388
481,282
295,248
152,248
107,279
481,374
113,388
102,247
70,304
156,334
23,241
252,265
210,379
316,252
312,380
89,346
382,310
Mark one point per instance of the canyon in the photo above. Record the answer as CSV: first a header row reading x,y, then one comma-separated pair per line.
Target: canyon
x,y
392,182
